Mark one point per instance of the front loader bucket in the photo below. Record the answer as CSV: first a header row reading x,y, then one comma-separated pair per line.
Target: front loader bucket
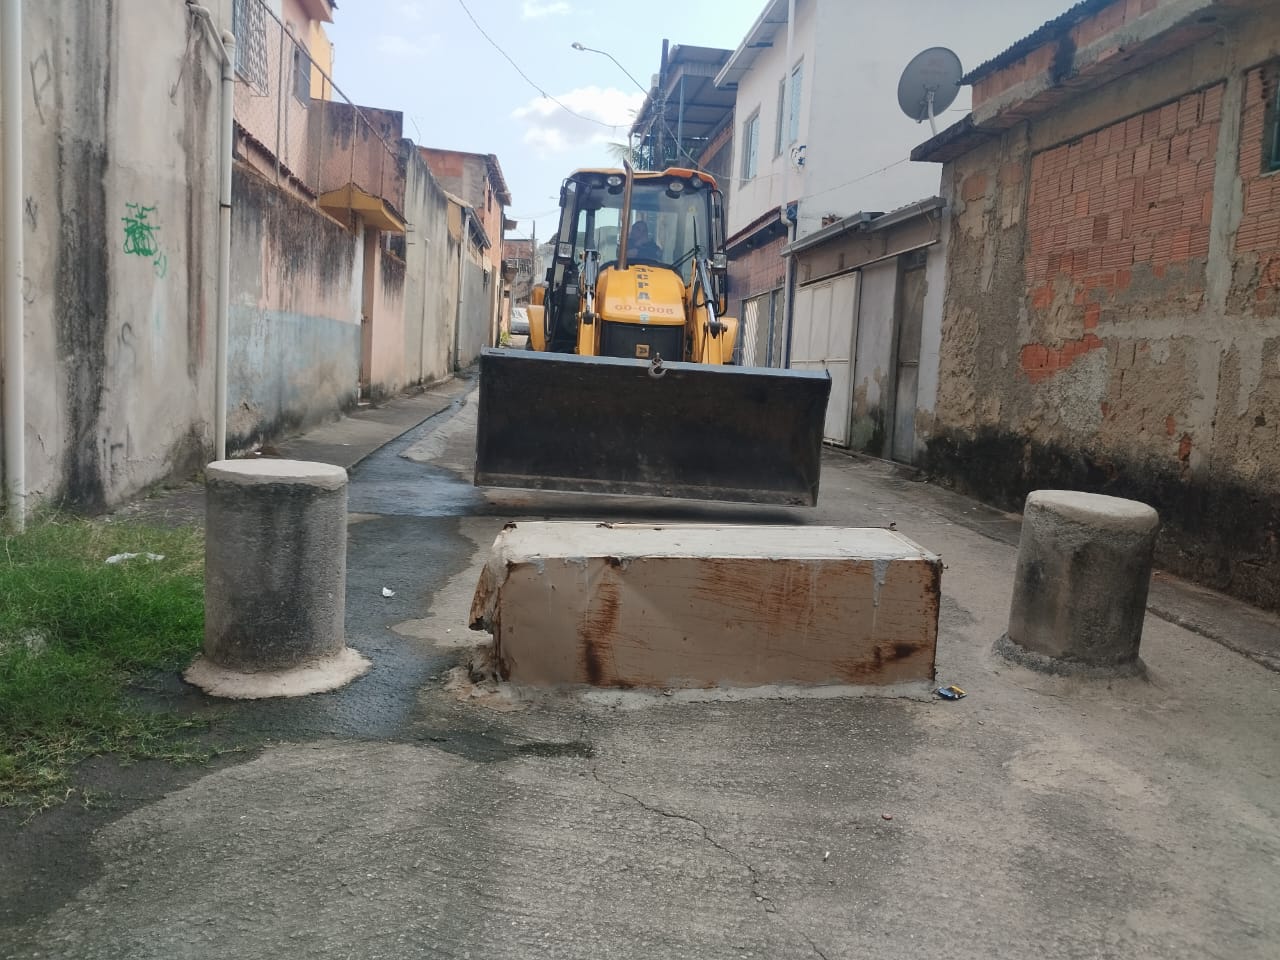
x,y
605,425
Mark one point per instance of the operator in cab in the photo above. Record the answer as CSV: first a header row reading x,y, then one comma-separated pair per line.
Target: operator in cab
x,y
640,245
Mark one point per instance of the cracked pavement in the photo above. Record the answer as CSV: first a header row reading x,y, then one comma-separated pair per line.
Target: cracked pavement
x,y
419,814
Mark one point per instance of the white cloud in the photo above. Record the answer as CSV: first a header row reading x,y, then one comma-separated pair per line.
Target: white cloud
x,y
532,10
549,129
412,10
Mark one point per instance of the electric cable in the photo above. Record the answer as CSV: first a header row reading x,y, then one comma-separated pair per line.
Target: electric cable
x,y
546,96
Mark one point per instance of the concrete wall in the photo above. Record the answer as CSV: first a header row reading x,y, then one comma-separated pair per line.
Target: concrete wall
x,y
1113,319
296,282
357,145
121,220
475,330
388,366
430,298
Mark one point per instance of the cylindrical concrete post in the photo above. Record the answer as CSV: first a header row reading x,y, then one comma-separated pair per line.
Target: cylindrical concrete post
x,y
1080,588
275,579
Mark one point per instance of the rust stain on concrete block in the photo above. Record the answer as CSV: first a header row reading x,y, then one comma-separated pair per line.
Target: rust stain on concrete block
x,y
684,605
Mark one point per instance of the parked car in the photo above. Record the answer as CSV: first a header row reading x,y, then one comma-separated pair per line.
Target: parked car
x,y
520,321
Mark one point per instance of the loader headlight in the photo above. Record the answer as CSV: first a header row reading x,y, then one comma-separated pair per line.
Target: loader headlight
x,y
675,186
614,181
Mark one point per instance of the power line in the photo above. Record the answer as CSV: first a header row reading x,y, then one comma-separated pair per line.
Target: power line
x,y
546,96
865,176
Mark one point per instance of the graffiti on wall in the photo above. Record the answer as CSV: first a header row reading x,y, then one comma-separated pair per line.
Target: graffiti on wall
x,y
140,237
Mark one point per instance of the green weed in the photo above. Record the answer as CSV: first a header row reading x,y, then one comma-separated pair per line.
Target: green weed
x,y
75,632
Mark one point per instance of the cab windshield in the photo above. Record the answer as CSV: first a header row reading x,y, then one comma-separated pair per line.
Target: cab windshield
x,y
669,216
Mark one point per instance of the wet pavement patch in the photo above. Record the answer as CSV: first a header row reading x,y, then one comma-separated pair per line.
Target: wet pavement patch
x,y
483,747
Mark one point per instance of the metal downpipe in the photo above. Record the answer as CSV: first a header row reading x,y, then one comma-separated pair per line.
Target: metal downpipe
x,y
15,414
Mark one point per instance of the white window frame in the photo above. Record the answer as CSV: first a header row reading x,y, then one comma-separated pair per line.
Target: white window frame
x,y
751,146
780,126
797,93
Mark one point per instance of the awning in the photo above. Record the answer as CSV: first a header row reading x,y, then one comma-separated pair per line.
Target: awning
x,y
375,211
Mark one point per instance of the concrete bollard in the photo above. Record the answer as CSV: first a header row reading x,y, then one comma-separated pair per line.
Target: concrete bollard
x,y
1080,589
275,580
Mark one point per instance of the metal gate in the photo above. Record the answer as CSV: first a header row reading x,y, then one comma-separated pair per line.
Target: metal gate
x,y
823,338
756,330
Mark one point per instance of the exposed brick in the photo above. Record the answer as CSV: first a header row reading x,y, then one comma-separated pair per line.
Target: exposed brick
x,y
1092,314
1199,249
1204,175
1133,131
1142,159
1189,111
1212,108
975,187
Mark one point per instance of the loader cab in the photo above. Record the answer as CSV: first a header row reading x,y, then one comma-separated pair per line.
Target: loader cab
x,y
679,213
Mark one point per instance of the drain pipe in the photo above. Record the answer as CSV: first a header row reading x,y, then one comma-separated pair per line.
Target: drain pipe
x,y
226,44
462,283
15,414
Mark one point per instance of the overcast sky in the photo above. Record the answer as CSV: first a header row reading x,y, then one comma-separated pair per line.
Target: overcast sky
x,y
427,59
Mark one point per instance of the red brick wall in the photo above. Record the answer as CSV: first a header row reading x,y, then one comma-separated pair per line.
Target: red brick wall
x,y
1134,196
1086,33
757,272
1259,231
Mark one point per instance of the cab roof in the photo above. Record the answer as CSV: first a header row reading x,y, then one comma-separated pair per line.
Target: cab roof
x,y
682,172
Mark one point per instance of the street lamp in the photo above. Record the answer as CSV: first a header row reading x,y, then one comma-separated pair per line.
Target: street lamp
x,y
658,104
604,53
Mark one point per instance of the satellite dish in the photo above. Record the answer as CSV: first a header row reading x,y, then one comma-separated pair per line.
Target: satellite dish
x,y
929,84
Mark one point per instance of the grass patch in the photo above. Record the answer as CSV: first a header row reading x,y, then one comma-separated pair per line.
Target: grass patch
x,y
75,632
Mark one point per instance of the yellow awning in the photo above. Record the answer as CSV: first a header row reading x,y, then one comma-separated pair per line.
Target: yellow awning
x,y
375,211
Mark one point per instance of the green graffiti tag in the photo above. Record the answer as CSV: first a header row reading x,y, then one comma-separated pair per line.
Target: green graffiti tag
x,y
140,237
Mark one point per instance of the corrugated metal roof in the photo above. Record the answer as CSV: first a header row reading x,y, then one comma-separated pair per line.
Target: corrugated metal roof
x,y
1052,30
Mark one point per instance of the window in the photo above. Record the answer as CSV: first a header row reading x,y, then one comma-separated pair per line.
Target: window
x,y
782,113
301,72
797,89
1273,126
249,24
750,146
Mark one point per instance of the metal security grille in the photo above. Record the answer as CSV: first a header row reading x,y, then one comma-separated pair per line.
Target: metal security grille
x,y
250,27
751,328
758,322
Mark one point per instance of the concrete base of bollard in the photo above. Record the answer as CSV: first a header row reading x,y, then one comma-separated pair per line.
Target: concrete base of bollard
x,y
318,677
1054,666
1080,587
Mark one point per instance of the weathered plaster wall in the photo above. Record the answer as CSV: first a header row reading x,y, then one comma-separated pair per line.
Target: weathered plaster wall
x,y
477,309
119,150
1112,318
430,299
357,145
388,360
295,314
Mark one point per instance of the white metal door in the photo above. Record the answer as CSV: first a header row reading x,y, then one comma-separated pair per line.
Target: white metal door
x,y
823,338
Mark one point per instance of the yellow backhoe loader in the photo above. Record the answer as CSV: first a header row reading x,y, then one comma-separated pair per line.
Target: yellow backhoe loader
x,y
628,385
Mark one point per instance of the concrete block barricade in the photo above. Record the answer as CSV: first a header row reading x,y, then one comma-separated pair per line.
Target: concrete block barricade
x,y
275,580
1080,587
693,606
